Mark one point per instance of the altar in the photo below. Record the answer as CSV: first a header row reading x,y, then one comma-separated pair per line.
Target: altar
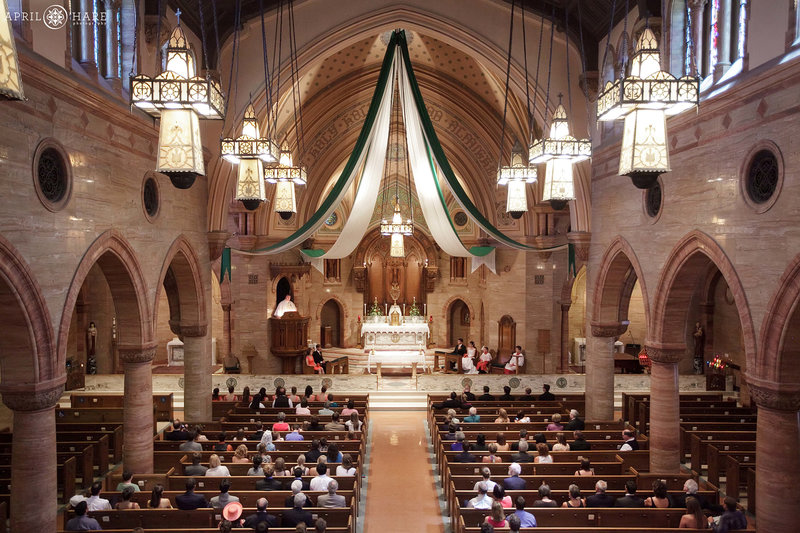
x,y
407,336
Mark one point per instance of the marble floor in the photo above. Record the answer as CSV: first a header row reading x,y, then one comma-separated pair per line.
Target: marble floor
x,y
402,493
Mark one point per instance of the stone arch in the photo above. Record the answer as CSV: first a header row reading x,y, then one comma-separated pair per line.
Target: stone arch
x,y
776,328
342,316
619,271
29,330
690,259
123,271
182,280
446,309
339,301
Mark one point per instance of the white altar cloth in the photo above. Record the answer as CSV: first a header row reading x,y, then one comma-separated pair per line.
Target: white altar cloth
x,y
396,358
382,336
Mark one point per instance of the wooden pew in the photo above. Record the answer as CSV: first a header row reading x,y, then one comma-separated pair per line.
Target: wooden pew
x,y
717,462
751,490
736,474
699,441
176,482
89,414
162,403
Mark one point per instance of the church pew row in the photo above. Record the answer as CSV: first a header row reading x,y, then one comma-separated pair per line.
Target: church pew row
x,y
247,498
638,459
89,414
290,447
717,463
329,529
176,482
590,530
199,518
751,490
162,403
163,461
629,401
612,518
698,442
729,411
736,474
240,469
99,440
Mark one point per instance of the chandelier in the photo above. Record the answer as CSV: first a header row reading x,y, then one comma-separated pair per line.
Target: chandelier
x,y
559,152
644,99
249,152
397,229
518,173
10,77
285,176
179,98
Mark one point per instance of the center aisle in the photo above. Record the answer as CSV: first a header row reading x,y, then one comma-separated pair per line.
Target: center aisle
x,y
401,490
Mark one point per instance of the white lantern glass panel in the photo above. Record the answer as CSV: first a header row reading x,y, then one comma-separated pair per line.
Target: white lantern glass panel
x,y
10,79
397,248
249,183
644,143
284,197
517,197
179,146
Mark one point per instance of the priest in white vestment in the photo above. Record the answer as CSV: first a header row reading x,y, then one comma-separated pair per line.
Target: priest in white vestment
x,y
286,306
517,360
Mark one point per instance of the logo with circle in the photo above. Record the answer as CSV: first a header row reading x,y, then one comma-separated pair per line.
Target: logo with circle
x,y
466,382
279,382
513,383
561,383
55,17
327,383
231,382
180,382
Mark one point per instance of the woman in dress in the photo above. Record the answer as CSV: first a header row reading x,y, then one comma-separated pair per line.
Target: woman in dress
x,y
502,445
522,418
354,423
256,469
502,417
585,469
240,455
468,360
156,501
555,424
561,445
492,457
694,517
497,519
574,501
216,468
126,503
346,468
544,454
301,464
660,498
499,495
280,468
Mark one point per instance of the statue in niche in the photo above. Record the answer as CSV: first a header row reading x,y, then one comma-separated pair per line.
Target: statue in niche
x,y
699,347
91,357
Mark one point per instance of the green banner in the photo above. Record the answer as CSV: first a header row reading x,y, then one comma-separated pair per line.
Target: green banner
x,y
225,268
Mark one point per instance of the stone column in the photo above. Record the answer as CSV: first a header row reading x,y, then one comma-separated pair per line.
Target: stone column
x,y
226,348
137,449
33,458
197,373
111,40
564,366
696,7
600,370
664,435
724,40
87,52
777,457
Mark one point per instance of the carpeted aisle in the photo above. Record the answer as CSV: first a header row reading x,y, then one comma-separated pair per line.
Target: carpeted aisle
x,y
401,493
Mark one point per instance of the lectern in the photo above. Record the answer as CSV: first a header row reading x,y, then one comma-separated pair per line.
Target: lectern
x,y
289,335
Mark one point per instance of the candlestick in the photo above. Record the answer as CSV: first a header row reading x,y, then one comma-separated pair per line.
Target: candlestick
x,y
385,308
365,309
404,309
424,309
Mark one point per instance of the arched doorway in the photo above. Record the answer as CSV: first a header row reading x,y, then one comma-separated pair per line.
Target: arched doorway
x,y
506,336
331,324
282,289
458,322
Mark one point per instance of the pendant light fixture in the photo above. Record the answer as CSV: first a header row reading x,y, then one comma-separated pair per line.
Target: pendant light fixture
x,y
250,151
518,173
10,77
285,175
397,228
179,97
559,150
644,98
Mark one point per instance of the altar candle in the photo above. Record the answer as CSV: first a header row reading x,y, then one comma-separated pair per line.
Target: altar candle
x,y
385,309
404,309
424,309
365,309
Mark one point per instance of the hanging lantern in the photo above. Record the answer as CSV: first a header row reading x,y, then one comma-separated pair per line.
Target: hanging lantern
x,y
179,98
396,229
559,152
10,78
645,98
286,175
515,176
249,151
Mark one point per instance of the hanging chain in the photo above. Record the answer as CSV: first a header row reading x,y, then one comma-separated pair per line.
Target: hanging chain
x,y
216,32
549,66
135,54
276,63
233,83
298,107
625,42
536,86
158,39
525,59
267,87
566,51
505,98
583,66
203,37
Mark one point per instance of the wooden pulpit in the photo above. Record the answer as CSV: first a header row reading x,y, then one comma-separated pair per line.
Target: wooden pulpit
x,y
288,338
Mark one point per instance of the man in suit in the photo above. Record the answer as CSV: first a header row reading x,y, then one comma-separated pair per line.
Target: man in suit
x,y
630,441
297,486
450,403
546,395
178,431
486,397
506,397
82,522
195,469
313,454
317,354
334,424
261,515
269,482
513,481
297,514
468,394
574,423
630,499
465,456
600,498
189,501
579,444
191,444
459,350
223,498
523,435
332,499
522,456
527,397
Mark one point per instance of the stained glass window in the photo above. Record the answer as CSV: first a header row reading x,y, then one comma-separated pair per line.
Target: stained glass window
x,y
742,27
713,35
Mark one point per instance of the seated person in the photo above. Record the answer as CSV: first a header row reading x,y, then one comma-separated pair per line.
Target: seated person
x,y
517,360
318,360
465,456
561,444
731,520
543,454
81,522
312,363
580,443
527,397
506,397
544,497
126,503
694,517
574,501
484,364
660,497
630,499
555,424
546,396
585,469
600,498
473,415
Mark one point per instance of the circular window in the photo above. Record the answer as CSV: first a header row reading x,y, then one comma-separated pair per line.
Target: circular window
x,y
331,221
150,198
52,175
652,200
762,176
460,219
